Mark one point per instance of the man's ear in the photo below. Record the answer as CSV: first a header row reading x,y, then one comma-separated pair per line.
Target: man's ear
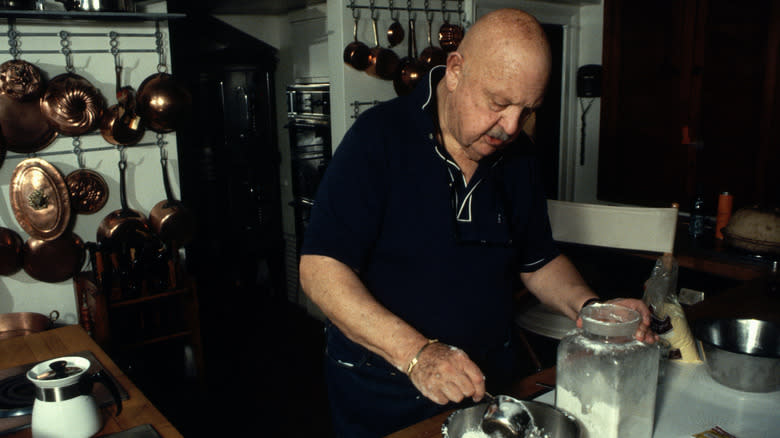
x,y
454,70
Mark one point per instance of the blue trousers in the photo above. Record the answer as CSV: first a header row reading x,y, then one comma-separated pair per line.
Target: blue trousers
x,y
369,397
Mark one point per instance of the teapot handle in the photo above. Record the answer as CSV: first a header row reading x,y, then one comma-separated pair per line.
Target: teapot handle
x,y
103,378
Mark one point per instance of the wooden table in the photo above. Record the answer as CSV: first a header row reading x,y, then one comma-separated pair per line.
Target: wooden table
x,y
137,409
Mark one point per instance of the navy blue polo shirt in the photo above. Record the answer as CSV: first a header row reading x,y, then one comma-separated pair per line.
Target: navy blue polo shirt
x,y
438,253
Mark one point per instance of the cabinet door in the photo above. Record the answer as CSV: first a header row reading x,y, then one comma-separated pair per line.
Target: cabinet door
x,y
701,67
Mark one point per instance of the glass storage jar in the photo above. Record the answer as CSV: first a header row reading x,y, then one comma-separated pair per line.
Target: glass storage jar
x,y
604,377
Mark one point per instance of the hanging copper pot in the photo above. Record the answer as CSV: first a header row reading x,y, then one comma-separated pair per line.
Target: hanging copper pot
x,y
10,251
123,223
72,105
356,54
411,70
163,103
20,80
40,199
432,56
170,219
382,63
54,261
120,124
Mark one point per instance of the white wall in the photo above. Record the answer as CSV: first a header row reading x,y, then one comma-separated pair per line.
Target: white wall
x,y
20,292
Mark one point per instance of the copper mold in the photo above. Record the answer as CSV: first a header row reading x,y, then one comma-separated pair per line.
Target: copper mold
x,y
88,191
72,105
40,199
20,80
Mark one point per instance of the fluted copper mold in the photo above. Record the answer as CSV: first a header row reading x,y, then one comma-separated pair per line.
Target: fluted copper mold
x,y
72,105
20,80
40,199
450,36
162,102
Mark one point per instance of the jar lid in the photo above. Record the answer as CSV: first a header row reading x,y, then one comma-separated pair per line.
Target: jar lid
x,y
604,319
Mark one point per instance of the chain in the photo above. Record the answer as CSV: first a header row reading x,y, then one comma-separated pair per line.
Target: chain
x,y
161,145
114,44
79,152
122,156
13,40
66,50
355,11
158,35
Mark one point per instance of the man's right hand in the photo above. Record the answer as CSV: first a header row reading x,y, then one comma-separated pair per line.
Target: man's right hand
x,y
446,374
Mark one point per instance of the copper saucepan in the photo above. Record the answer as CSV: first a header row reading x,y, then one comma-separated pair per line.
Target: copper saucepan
x,y
411,69
25,128
10,251
54,261
382,63
356,54
40,199
72,105
170,219
123,223
24,323
162,102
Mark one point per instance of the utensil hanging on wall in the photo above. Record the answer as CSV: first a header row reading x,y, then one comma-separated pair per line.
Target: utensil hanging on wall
x,y
88,190
162,102
432,56
10,251
71,104
382,63
40,199
450,35
25,129
121,124
395,32
411,70
125,222
54,261
170,219
356,54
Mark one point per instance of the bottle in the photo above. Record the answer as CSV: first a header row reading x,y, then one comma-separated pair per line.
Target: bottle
x,y
604,377
696,226
725,204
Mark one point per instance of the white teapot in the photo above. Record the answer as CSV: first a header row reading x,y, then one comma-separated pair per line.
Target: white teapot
x,y
64,406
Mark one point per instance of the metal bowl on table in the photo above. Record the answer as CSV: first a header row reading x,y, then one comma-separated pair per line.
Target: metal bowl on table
x,y
549,421
743,354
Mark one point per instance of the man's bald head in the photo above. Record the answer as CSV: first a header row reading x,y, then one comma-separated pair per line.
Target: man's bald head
x,y
505,39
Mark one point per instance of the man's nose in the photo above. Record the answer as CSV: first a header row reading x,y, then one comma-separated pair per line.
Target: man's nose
x,y
510,120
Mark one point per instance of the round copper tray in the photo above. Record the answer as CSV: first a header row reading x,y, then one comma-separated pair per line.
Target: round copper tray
x,y
40,199
25,128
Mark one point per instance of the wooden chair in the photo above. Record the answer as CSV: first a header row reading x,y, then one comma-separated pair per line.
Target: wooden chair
x,y
644,229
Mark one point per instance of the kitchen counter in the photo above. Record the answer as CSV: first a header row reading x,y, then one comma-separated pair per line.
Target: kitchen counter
x,y
686,387
137,409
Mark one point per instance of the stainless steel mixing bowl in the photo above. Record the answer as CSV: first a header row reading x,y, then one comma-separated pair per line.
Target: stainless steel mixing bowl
x,y
743,354
553,422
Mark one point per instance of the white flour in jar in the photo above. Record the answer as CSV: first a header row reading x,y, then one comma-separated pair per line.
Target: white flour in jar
x,y
603,420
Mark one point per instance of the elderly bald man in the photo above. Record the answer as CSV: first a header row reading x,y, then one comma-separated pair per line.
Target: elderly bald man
x,y
428,211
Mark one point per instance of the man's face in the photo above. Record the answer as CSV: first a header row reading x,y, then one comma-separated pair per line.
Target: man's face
x,y
490,105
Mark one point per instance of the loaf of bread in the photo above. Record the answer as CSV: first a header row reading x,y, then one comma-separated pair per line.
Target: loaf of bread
x,y
754,229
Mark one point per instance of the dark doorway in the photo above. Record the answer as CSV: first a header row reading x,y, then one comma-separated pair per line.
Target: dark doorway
x,y
548,116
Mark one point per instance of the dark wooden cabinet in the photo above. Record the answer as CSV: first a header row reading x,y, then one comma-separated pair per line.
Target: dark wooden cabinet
x,y
690,102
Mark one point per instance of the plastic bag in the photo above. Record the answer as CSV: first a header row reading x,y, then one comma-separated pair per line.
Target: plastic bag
x,y
668,317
